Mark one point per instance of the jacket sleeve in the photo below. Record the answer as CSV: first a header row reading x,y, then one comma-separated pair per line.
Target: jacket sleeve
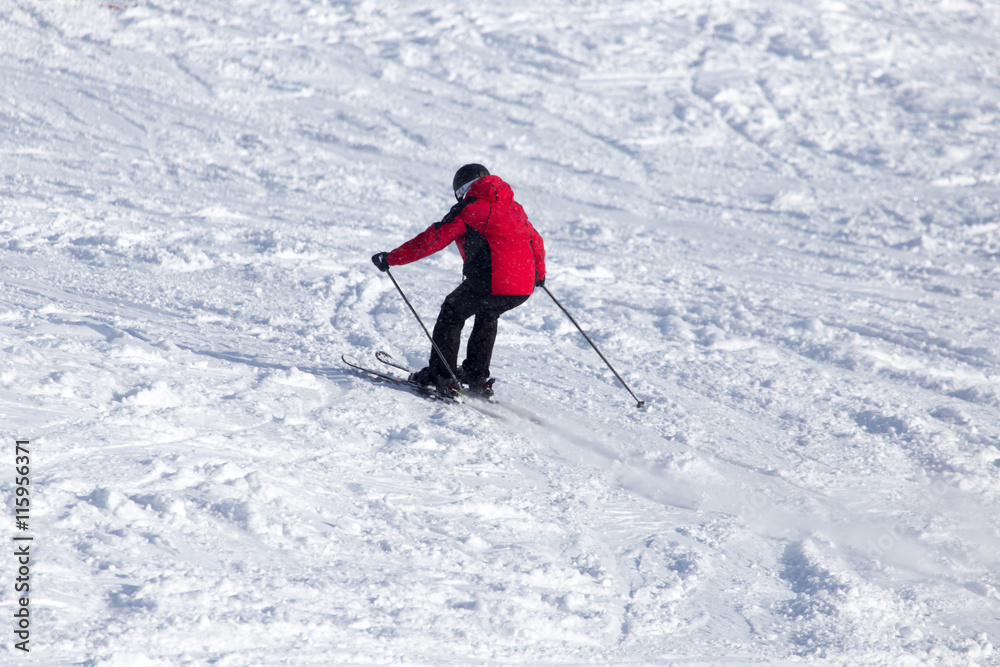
x,y
538,248
434,238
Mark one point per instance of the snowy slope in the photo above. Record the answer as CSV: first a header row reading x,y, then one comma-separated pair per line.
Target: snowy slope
x,y
780,221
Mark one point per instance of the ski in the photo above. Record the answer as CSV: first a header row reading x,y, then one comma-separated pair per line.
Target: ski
x,y
427,392
431,392
389,360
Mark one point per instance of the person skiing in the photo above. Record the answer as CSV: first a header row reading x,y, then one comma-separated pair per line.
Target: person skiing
x,y
504,260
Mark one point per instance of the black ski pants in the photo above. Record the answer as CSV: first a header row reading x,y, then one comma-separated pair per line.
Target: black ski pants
x,y
459,306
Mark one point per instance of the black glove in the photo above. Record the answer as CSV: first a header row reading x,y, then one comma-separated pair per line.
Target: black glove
x,y
539,282
381,260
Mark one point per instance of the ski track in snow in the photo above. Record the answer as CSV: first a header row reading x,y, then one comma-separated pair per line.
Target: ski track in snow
x,y
780,223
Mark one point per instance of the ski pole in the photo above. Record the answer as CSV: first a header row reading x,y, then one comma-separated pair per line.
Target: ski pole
x,y
639,404
428,333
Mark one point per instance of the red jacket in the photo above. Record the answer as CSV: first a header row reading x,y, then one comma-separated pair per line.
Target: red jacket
x,y
503,253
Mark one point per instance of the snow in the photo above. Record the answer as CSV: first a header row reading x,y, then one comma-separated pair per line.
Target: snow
x,y
779,222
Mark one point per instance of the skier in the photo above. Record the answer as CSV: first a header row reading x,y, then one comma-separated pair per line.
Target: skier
x,y
504,260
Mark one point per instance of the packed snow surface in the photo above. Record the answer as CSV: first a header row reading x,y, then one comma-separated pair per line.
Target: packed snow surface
x,y
779,222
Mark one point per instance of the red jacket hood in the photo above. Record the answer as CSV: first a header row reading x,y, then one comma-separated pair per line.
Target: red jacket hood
x,y
491,188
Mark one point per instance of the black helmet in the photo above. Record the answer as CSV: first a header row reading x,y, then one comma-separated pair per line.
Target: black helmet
x,y
466,175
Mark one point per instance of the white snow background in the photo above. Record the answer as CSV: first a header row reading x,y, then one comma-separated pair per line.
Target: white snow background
x,y
779,221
